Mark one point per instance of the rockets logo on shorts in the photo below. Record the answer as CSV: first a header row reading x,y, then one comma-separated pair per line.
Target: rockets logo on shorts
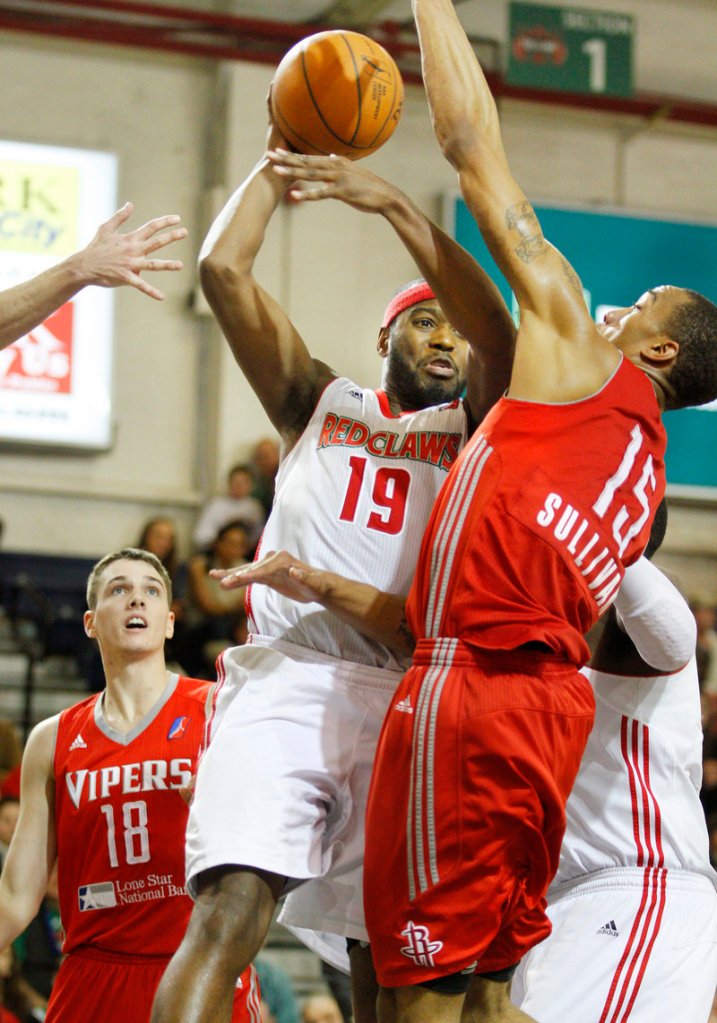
x,y
97,896
420,948
178,728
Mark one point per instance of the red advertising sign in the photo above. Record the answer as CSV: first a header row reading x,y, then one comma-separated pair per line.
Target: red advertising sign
x,y
41,361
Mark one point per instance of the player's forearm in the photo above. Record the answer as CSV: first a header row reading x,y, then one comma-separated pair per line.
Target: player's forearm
x,y
20,900
462,107
379,616
237,234
467,295
26,305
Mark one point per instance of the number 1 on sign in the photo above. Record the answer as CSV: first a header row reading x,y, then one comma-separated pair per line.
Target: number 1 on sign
x,y
597,52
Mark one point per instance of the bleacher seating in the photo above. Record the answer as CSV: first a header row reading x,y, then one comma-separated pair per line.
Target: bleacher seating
x,y
43,602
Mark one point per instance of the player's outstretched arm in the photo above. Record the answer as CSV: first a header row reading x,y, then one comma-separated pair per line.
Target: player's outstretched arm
x,y
110,260
467,295
378,615
32,853
263,340
549,293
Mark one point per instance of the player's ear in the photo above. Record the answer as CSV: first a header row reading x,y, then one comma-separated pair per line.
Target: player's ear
x,y
89,623
169,631
662,350
382,342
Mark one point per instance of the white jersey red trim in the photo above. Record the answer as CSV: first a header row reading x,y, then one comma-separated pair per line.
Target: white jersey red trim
x,y
635,802
354,496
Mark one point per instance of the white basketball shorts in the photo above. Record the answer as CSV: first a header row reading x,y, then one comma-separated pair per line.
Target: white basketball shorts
x,y
628,946
283,783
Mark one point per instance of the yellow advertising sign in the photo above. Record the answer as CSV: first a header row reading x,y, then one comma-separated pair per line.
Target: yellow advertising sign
x,y
38,208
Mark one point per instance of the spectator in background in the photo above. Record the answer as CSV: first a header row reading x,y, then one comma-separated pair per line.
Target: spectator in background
x,y
10,757
38,949
705,616
215,618
159,537
321,1007
277,992
340,987
9,813
237,504
265,458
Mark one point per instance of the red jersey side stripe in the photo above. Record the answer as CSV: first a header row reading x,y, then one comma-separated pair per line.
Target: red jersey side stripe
x,y
450,532
421,827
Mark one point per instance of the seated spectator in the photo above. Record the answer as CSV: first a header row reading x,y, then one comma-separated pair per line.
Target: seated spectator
x,y
321,1007
264,460
215,617
38,948
9,813
277,992
340,987
705,615
159,537
10,757
19,1002
237,504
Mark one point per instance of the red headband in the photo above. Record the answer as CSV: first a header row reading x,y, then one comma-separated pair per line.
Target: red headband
x,y
414,293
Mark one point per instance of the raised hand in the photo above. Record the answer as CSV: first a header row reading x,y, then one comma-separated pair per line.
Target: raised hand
x,y
333,177
113,259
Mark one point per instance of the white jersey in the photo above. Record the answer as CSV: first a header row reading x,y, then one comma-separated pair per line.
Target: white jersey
x,y
635,802
354,496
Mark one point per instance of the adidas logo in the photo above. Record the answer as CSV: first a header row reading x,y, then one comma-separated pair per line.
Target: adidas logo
x,y
404,706
78,742
609,928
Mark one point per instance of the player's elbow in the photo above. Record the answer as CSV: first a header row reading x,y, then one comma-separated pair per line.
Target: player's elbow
x,y
458,141
218,275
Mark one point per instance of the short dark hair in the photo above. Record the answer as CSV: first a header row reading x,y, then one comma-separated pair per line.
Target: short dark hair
x,y
693,376
130,554
228,527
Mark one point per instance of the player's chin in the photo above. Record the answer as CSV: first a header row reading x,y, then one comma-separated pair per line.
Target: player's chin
x,y
439,390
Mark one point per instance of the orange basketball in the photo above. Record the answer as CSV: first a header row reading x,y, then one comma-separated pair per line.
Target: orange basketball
x,y
337,92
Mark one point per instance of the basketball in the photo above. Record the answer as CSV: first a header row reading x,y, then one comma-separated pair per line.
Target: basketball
x,y
337,92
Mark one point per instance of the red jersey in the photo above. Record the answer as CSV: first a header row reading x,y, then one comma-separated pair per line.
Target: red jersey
x,y
120,823
532,530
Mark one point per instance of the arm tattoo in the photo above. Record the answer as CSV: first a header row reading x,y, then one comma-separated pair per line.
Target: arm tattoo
x,y
522,218
573,279
531,248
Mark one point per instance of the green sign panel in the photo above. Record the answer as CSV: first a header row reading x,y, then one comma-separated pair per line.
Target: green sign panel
x,y
570,49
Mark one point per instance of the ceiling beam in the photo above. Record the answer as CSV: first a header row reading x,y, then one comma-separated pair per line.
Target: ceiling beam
x,y
354,13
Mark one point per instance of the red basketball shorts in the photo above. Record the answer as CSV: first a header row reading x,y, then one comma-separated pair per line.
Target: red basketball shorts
x,y
93,985
466,812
